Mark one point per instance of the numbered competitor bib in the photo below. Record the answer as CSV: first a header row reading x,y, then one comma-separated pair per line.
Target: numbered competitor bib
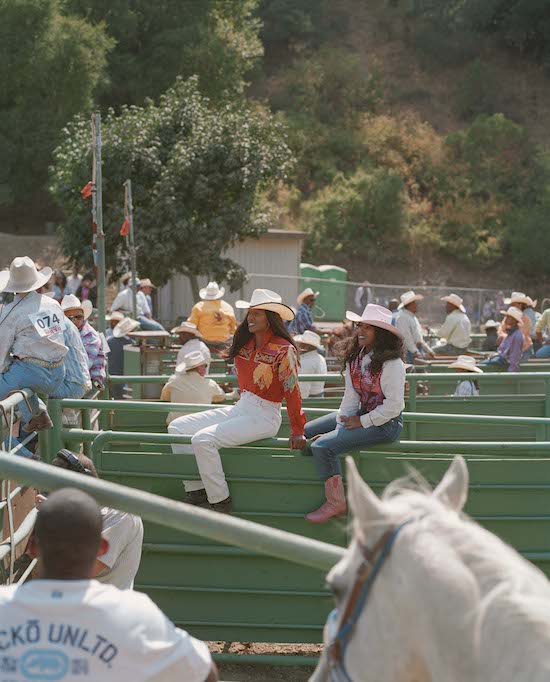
x,y
48,323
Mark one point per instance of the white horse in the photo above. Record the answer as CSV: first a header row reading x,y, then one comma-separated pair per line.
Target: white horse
x,y
439,599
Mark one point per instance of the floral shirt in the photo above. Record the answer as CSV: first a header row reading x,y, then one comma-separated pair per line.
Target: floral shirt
x,y
271,373
96,355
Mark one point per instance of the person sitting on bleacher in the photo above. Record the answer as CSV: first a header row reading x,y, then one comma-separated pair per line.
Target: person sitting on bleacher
x,y
409,327
510,349
189,384
490,343
123,635
213,317
542,329
466,388
457,328
113,319
190,339
116,342
311,362
520,301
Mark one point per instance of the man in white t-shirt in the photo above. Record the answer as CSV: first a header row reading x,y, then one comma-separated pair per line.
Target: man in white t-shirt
x,y
311,362
123,531
67,626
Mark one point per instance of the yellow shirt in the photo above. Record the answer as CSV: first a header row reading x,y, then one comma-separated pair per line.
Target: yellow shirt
x,y
215,320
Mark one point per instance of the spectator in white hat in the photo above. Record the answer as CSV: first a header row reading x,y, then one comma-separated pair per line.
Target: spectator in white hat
x,y
215,319
466,388
408,324
520,301
117,341
78,313
490,342
303,319
510,349
370,412
457,328
189,384
190,339
32,345
311,362
124,303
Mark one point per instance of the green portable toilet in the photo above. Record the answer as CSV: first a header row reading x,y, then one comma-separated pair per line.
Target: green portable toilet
x,y
330,281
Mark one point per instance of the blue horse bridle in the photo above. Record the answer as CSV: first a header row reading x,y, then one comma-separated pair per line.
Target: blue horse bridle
x,y
337,637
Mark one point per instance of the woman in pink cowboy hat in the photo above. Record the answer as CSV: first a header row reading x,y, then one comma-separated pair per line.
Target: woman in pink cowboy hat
x,y
370,411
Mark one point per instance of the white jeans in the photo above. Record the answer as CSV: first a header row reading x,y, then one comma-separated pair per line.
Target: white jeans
x,y
252,418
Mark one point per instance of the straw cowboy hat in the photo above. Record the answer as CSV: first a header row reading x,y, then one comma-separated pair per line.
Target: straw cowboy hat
x,y
264,299
519,297
466,362
190,361
71,302
309,338
23,276
212,292
146,283
531,303
188,327
305,294
115,315
455,300
491,324
408,298
515,313
376,316
124,327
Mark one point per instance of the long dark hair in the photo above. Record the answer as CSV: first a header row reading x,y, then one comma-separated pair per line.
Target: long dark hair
x,y
243,334
387,346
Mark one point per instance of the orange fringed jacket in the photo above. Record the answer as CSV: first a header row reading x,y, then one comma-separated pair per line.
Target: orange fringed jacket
x,y
271,373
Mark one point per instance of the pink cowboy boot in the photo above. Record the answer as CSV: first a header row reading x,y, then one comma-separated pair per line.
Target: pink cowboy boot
x,y
335,504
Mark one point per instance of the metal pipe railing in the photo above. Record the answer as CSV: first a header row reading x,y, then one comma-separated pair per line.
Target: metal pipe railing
x,y
220,528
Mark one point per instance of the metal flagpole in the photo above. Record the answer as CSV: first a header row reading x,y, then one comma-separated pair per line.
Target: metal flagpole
x,y
97,208
129,213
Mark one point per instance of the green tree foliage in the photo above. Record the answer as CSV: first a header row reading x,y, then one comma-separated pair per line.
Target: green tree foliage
x,y
50,66
197,172
158,41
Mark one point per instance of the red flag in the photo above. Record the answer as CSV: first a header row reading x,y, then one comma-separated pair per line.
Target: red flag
x,y
86,191
125,229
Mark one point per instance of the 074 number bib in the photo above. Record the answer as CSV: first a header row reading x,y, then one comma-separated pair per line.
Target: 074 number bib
x,y
48,324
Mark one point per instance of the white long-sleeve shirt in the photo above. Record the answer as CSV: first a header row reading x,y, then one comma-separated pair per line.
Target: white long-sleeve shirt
x,y
392,383
457,329
32,326
312,362
409,326
123,301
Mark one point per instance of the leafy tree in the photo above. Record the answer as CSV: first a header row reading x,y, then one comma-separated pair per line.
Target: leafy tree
x,y
50,66
197,173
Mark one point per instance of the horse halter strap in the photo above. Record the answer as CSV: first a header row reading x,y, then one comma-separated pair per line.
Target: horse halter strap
x,y
374,559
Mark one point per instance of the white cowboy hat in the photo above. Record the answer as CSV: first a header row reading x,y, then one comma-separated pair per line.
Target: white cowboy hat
x,y
531,303
376,316
146,283
455,300
264,299
305,293
115,315
188,327
124,327
212,292
23,276
519,297
71,302
491,324
309,338
407,298
190,361
515,313
466,362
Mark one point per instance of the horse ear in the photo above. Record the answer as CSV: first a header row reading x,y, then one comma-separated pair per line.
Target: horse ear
x,y
453,487
365,504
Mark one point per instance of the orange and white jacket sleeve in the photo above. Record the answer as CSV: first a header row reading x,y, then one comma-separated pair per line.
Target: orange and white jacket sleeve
x,y
288,376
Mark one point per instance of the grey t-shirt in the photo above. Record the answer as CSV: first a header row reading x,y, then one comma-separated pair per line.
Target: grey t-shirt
x,y
124,532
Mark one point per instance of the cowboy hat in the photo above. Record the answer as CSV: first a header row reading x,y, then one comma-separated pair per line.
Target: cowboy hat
x,y
115,315
124,327
519,297
376,316
515,313
309,338
23,276
71,302
190,361
264,299
531,303
211,292
146,283
455,300
188,327
491,324
466,362
407,298
305,294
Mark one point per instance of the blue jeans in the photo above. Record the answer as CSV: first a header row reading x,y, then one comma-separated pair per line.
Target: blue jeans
x,y
150,325
543,351
497,361
69,389
529,353
28,375
336,440
448,349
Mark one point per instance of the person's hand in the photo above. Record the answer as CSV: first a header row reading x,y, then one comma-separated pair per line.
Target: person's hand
x,y
297,442
351,422
98,385
315,437
39,500
431,354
